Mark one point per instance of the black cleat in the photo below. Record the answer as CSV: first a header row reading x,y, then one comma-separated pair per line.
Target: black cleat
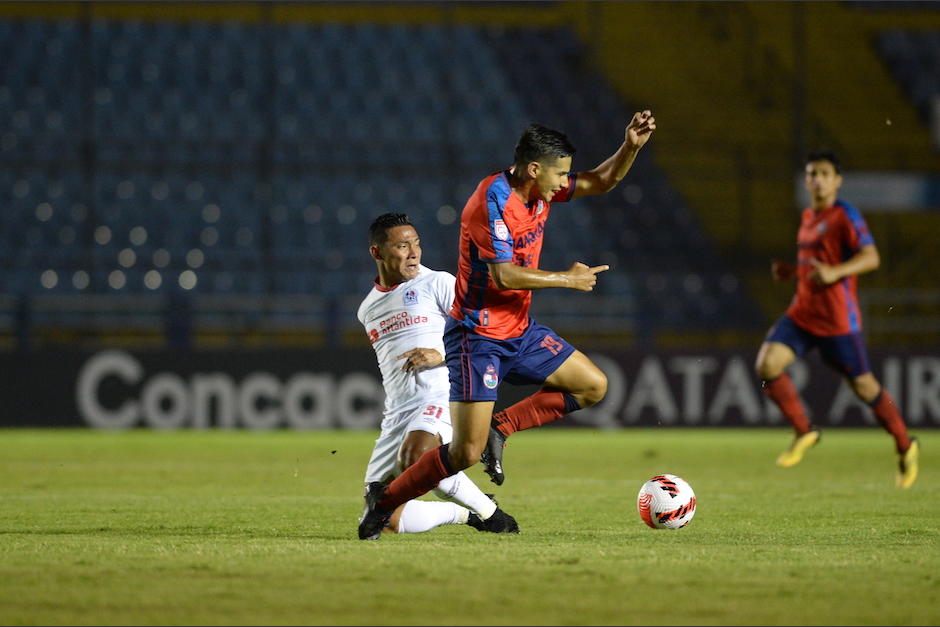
x,y
374,518
492,456
499,522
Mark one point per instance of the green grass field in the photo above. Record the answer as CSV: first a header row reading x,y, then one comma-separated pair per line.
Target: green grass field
x,y
245,528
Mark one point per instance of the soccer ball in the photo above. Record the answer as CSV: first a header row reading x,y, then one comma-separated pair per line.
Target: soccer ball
x,y
666,502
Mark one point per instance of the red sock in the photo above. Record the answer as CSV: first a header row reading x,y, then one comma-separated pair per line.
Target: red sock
x,y
419,478
782,392
546,405
887,414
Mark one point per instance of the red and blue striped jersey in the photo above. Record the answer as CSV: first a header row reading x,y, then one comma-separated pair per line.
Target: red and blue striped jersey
x,y
497,226
831,235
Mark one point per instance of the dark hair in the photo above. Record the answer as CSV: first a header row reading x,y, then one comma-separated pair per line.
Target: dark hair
x,y
538,142
825,155
378,230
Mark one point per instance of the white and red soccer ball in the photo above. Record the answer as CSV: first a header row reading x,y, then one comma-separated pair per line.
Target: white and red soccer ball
x,y
666,502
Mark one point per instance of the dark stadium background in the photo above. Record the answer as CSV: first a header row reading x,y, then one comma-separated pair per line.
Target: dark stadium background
x,y
185,190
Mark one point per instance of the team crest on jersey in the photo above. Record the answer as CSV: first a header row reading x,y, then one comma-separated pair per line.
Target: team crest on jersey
x,y
539,208
490,378
500,229
821,227
410,298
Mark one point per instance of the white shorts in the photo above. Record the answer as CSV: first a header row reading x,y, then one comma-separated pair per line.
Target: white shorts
x,y
432,416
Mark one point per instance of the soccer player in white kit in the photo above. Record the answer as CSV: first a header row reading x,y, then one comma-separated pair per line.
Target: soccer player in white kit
x,y
404,316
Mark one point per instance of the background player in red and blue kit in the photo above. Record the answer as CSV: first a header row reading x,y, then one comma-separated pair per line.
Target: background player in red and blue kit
x,y
490,337
833,247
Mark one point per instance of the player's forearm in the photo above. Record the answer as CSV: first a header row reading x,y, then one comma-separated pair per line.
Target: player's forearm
x,y
606,175
866,260
508,276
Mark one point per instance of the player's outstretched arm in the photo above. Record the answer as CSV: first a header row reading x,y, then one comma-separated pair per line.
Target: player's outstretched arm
x,y
508,276
605,176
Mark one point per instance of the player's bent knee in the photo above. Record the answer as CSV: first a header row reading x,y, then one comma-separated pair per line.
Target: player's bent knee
x,y
866,387
409,458
765,372
772,360
464,456
767,368
595,391
415,445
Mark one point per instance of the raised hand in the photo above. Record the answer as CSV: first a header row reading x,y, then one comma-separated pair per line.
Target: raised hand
x,y
640,128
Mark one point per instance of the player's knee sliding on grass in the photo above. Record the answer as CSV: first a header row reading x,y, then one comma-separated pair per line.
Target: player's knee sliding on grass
x,y
467,503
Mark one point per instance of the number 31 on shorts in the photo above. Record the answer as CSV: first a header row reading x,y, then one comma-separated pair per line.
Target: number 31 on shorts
x,y
433,410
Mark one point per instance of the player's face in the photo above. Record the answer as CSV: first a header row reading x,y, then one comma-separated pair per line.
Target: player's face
x,y
552,176
400,256
822,182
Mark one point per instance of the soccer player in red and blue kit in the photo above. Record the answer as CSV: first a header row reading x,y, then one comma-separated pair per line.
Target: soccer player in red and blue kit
x,y
490,337
833,247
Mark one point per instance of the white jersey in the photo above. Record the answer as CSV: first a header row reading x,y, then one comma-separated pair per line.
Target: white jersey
x,y
409,315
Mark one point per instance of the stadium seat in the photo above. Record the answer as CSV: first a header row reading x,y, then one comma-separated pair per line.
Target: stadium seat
x,y
274,176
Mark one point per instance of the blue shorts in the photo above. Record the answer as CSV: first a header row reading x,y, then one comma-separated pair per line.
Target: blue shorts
x,y
478,364
845,353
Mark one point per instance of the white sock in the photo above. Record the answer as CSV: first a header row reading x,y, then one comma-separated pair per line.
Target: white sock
x,y
461,489
418,516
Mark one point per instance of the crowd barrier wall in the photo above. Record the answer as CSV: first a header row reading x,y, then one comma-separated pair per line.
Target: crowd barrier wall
x,y
329,389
